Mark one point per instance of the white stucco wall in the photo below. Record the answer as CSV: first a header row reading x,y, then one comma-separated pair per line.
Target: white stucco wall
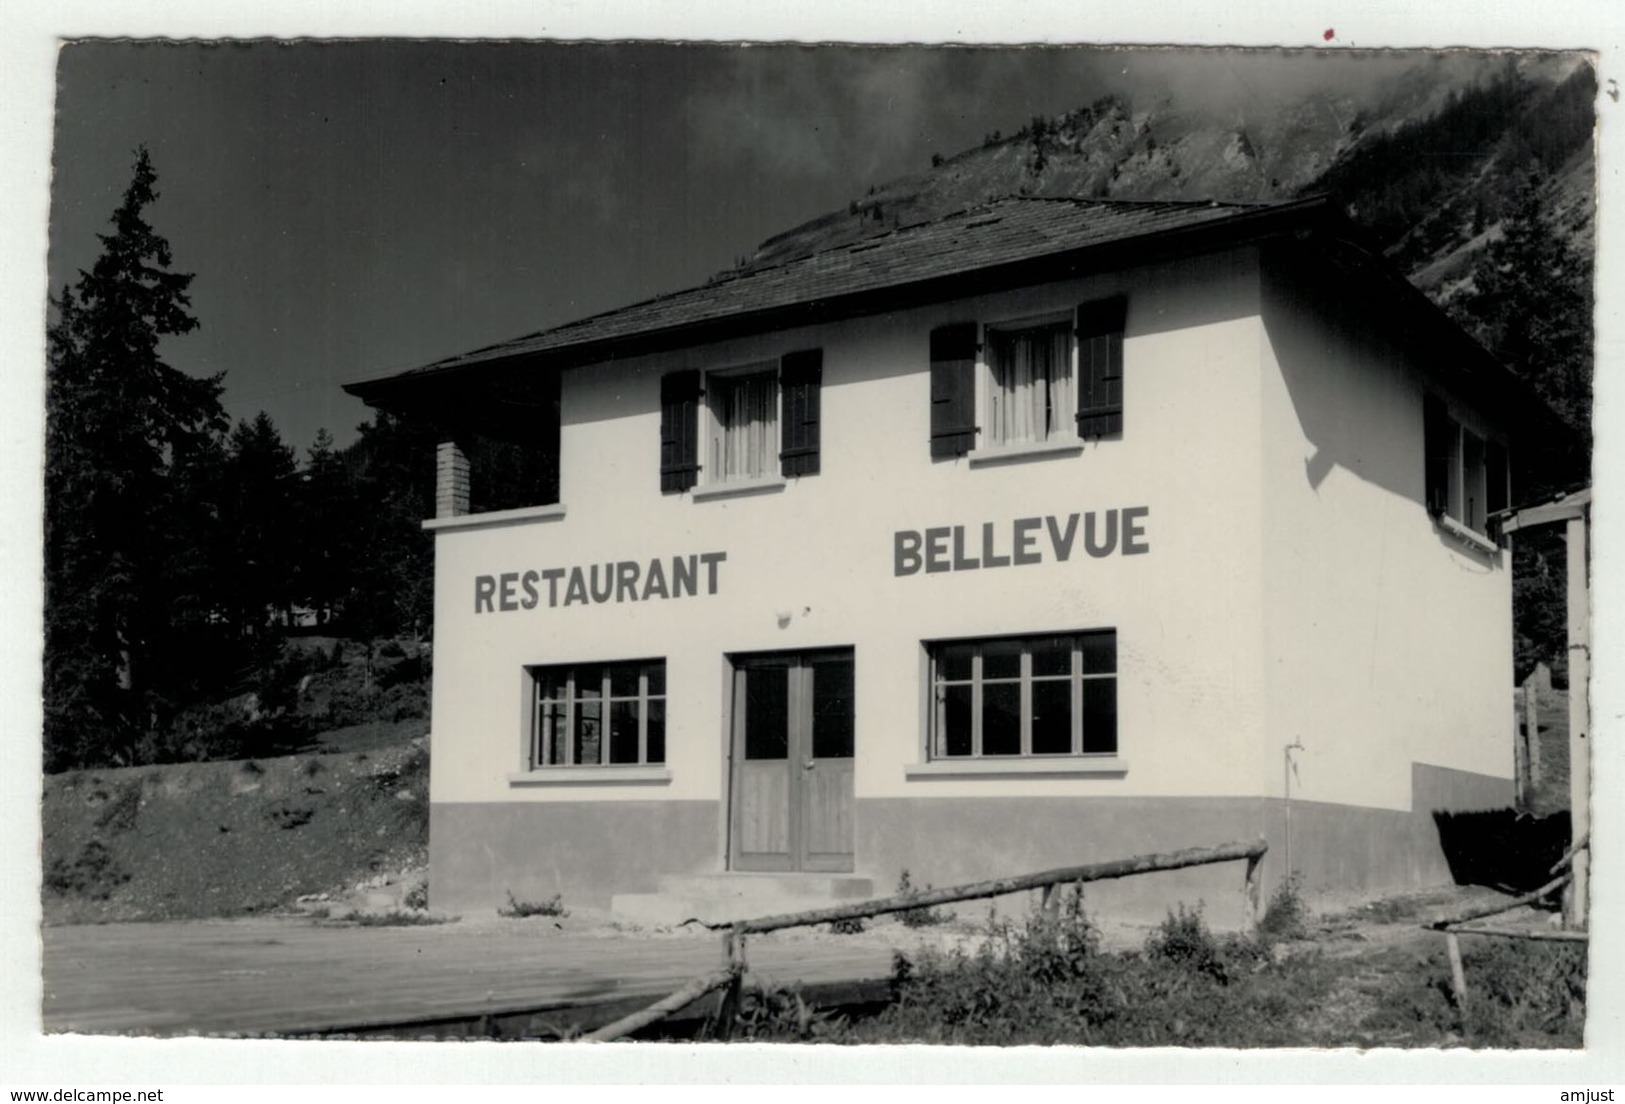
x,y
1192,691
1387,640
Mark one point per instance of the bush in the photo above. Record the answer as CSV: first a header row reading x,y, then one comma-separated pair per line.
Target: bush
x,y
417,897
920,917
783,1015
1286,916
851,925
1521,993
553,906
1047,981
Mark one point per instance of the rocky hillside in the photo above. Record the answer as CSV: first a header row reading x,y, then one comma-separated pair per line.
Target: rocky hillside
x,y
1429,161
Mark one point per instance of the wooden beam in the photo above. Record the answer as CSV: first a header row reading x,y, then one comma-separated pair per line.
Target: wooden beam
x,y
1579,611
1514,933
685,996
1479,912
1092,872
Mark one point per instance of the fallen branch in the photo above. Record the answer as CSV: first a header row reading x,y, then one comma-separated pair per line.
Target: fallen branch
x,y
685,996
1568,856
1481,911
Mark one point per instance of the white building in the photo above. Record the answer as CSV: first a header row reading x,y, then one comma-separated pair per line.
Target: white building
x,y
1048,532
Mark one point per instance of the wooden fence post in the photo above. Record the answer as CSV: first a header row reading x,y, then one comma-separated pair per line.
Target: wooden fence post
x,y
733,995
1458,976
1250,890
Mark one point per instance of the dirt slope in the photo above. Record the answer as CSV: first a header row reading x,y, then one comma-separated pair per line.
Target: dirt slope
x,y
192,840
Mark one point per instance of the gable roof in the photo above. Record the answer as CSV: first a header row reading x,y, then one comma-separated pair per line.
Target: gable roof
x,y
1007,243
989,246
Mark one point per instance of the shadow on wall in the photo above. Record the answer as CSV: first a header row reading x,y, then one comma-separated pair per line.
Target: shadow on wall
x,y
1502,848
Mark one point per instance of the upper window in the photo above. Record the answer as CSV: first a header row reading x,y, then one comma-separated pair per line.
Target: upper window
x,y
1039,380
1466,476
1030,389
743,442
1051,695
741,425
599,714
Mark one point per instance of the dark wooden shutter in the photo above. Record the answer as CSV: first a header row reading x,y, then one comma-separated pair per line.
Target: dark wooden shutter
x,y
548,444
1100,367
801,376
1438,434
1496,476
679,431
953,390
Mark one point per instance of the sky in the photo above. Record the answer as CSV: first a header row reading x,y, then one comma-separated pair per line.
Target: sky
x,y
354,208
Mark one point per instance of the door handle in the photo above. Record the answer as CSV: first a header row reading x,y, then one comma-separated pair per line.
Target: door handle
x,y
808,765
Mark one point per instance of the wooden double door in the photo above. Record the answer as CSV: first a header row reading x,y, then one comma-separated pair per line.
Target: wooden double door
x,y
790,804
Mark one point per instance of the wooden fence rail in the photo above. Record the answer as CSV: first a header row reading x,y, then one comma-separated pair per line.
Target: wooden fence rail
x,y
1456,925
732,976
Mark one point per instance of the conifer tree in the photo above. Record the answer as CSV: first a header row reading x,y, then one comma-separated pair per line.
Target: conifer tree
x,y
117,417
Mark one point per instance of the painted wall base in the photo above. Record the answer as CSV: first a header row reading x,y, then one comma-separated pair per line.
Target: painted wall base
x,y
588,851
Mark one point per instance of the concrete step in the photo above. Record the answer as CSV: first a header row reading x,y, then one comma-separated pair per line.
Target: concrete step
x,y
671,908
836,887
721,897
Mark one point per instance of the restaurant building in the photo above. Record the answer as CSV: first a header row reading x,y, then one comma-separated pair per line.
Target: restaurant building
x,y
1047,532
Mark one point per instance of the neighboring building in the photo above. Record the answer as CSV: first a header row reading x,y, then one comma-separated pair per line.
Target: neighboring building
x,y
1028,537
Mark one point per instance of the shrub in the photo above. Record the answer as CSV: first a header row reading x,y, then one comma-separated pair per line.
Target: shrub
x,y
1047,981
1286,916
920,916
851,925
417,897
783,1015
1183,940
553,906
1521,993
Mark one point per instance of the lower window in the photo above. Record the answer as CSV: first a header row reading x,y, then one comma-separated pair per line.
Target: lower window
x,y
599,714
1050,695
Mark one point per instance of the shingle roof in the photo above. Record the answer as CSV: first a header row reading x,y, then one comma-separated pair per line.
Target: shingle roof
x,y
1001,232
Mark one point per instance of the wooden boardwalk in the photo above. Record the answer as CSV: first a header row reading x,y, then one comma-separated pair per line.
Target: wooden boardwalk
x,y
291,976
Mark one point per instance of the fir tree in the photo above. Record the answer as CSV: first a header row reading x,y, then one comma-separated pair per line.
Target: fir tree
x,y
117,417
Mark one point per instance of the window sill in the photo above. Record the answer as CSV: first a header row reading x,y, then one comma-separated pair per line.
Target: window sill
x,y
768,485
1077,767
496,518
1002,454
1470,537
591,776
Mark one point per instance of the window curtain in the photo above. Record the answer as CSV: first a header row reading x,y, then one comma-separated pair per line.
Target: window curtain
x,y
1033,384
749,428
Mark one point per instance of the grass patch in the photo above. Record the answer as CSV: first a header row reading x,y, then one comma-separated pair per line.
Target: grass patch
x,y
553,906
1046,981
395,918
